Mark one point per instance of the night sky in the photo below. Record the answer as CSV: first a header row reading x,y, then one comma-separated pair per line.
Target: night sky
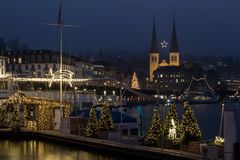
x,y
203,26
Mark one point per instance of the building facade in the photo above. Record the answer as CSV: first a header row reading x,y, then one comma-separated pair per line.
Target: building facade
x,y
174,55
37,63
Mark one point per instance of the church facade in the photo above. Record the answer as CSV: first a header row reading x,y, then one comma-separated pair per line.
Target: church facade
x,y
155,60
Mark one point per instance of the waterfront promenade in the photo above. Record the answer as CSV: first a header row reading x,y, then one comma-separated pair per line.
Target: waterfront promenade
x,y
131,148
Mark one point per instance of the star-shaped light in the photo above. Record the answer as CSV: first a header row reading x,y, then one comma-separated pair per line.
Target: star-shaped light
x,y
164,44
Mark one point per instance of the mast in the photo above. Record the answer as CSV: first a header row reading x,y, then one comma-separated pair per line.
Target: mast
x,y
61,59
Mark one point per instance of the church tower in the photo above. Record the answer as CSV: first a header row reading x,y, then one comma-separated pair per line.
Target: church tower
x,y
174,57
154,54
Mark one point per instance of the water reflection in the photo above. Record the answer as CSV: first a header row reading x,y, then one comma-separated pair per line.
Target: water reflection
x,y
38,150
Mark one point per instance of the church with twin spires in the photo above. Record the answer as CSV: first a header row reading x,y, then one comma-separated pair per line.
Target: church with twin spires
x,y
156,61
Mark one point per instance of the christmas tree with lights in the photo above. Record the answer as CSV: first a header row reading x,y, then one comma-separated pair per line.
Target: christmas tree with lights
x,y
92,123
134,82
105,122
155,131
4,123
189,128
171,122
16,121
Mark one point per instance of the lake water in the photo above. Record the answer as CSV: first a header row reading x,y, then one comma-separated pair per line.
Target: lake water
x,y
208,116
39,150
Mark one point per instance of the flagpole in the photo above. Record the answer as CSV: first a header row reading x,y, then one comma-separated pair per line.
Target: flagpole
x,y
61,50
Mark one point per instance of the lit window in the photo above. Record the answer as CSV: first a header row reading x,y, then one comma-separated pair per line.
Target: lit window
x,y
20,60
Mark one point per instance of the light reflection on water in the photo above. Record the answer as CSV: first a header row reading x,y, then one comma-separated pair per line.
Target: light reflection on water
x,y
38,150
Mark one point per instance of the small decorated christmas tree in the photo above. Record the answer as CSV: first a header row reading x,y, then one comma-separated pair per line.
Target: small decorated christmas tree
x,y
92,123
105,121
16,121
4,122
134,82
189,128
154,132
171,125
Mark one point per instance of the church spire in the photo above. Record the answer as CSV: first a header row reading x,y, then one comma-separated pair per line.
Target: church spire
x,y
154,45
174,44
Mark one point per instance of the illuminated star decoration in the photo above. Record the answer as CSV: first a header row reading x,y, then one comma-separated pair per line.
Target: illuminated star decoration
x,y
164,44
66,76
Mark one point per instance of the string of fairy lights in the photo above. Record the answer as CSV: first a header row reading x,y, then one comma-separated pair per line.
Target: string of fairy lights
x,y
187,131
43,108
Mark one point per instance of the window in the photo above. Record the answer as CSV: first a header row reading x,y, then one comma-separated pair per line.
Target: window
x,y
46,66
19,60
174,58
39,58
26,67
39,74
33,58
154,59
26,59
33,67
39,66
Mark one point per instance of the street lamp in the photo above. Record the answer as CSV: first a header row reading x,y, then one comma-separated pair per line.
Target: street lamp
x,y
74,96
163,115
147,79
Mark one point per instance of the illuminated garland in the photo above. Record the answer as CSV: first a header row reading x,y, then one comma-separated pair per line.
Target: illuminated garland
x,y
189,128
4,122
92,123
155,131
16,121
44,110
171,115
105,121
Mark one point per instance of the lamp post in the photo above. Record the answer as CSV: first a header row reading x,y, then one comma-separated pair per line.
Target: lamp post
x,y
74,98
220,129
163,115
147,80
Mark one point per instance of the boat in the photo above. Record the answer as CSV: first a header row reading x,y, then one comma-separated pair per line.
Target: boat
x,y
201,98
232,99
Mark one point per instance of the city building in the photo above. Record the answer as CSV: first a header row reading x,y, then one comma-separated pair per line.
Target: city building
x,y
3,60
37,63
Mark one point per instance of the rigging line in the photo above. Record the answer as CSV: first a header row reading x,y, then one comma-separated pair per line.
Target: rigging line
x,y
190,84
208,84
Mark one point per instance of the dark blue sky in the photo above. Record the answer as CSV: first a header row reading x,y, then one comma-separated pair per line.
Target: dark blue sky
x,y
203,26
